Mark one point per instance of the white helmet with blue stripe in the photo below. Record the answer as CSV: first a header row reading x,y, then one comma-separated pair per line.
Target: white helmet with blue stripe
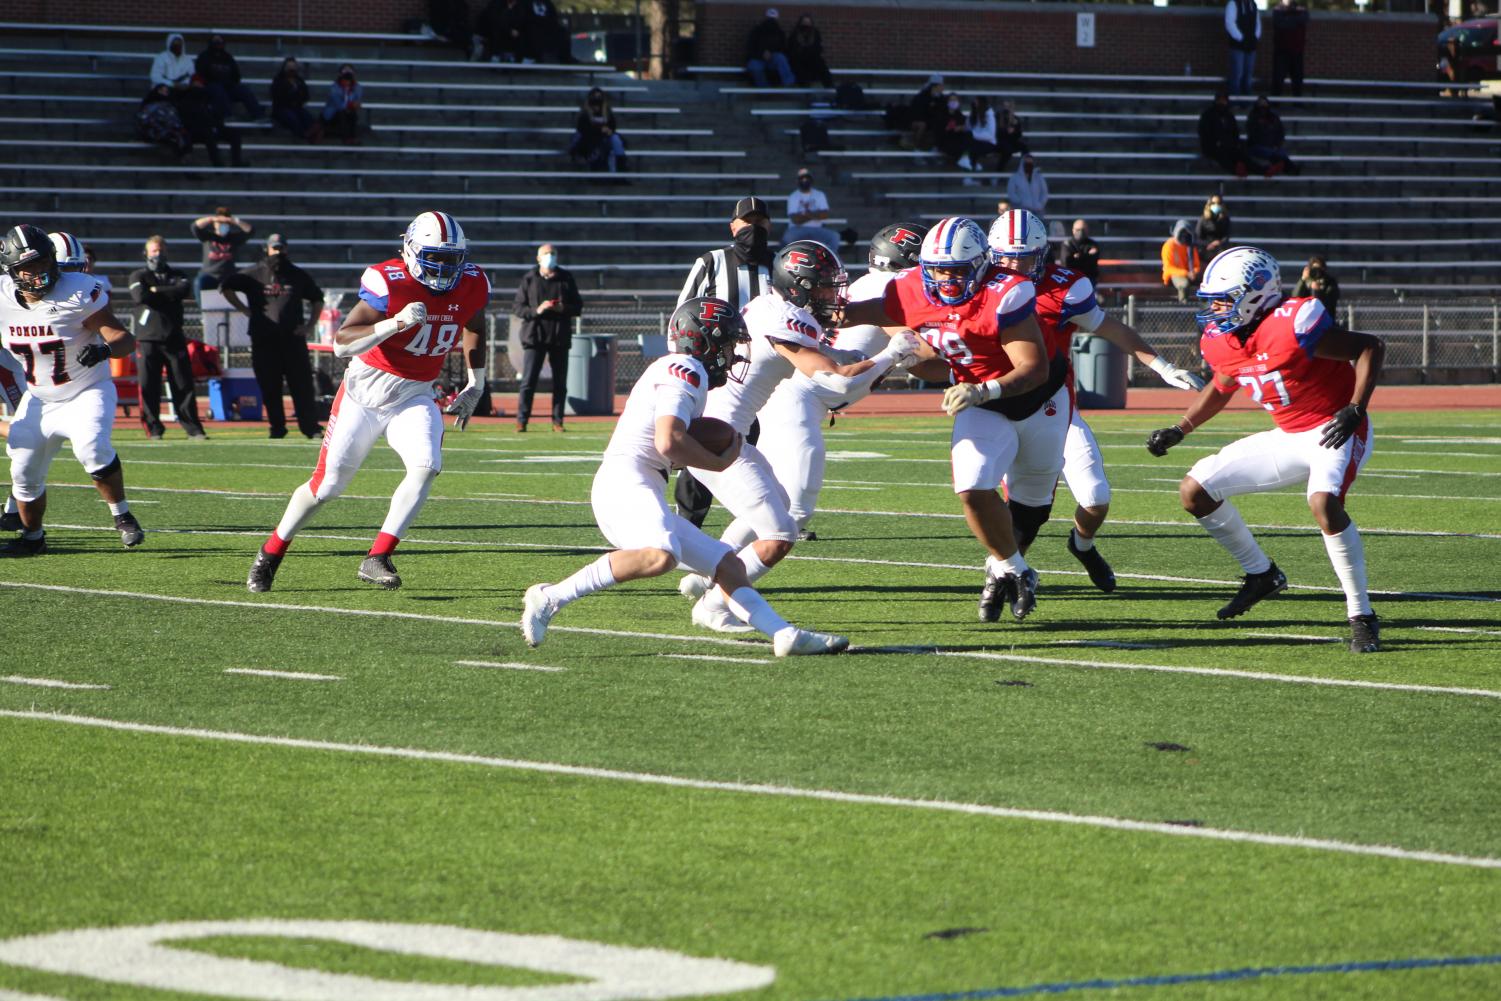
x,y
1239,285
956,245
1019,242
69,251
434,250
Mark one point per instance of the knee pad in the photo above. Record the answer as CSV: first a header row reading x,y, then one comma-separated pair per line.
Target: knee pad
x,y
107,471
1027,521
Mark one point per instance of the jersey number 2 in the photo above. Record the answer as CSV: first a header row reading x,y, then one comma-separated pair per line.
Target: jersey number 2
x,y
425,344
59,354
1257,385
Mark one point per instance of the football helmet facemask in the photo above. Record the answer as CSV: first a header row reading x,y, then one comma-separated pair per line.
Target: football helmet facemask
x,y
1239,285
26,255
69,252
955,245
435,251
709,329
808,274
1019,242
897,247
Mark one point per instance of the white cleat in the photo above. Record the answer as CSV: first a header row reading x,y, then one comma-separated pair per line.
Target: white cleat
x,y
795,642
721,620
693,585
537,614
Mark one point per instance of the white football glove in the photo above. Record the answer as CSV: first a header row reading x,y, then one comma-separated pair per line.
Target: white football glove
x,y
902,350
1171,374
413,314
462,407
963,395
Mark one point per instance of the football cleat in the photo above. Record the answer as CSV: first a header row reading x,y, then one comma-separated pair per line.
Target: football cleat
x,y
1255,587
380,570
721,620
1100,573
1023,593
262,572
536,613
795,642
1365,633
10,521
22,546
996,593
693,585
807,535
131,532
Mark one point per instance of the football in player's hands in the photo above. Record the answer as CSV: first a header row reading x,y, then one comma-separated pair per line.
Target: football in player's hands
x,y
1159,441
412,314
712,433
92,354
1341,426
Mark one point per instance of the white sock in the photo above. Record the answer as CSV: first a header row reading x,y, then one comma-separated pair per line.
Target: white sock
x,y
119,509
595,577
754,568
1228,528
752,608
31,535
11,507
302,506
738,535
1080,542
1015,564
1347,553
407,501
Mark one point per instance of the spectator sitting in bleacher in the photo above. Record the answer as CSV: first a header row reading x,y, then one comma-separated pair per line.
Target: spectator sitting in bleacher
x,y
952,133
805,54
1219,136
546,39
1266,139
221,77
766,49
1028,189
171,68
982,145
596,143
806,208
1009,139
205,125
1080,253
289,97
157,121
501,32
341,112
1002,206
1319,283
1213,229
915,118
1182,267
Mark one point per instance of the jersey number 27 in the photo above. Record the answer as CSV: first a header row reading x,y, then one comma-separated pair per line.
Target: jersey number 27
x,y
1257,387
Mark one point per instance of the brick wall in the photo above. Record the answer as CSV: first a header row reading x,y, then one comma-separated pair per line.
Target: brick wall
x,y
367,15
1001,36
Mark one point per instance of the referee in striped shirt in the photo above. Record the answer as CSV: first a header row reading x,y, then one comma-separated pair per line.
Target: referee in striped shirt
x,y
737,274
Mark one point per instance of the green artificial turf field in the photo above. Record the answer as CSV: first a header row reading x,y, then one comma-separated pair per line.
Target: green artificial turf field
x,y
1121,797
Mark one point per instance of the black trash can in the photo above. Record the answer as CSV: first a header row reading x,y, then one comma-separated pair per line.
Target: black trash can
x,y
591,375
1100,373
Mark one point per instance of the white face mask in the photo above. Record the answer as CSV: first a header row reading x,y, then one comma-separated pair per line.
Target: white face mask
x,y
549,261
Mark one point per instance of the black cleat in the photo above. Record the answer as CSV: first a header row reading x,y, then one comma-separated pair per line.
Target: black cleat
x,y
1100,573
262,572
996,593
1365,634
1256,586
807,535
1023,593
22,546
131,532
10,521
380,570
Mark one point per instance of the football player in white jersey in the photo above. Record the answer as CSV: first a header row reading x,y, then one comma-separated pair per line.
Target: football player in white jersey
x,y
787,334
792,420
628,495
59,326
414,309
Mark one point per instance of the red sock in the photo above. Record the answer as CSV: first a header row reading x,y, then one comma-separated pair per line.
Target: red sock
x,y
385,545
276,545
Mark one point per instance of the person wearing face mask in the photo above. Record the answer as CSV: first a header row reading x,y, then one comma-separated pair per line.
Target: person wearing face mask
x,y
1182,265
806,207
221,77
341,111
596,138
289,98
953,130
221,235
1080,253
1028,189
735,274
158,290
172,68
805,54
1213,228
547,301
271,294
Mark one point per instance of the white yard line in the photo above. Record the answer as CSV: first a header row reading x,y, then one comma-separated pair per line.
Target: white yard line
x,y
291,675
786,792
723,660
1114,645
16,679
1296,636
1457,629
510,665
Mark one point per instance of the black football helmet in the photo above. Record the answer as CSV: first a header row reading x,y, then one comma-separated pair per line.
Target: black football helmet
x,y
708,329
802,269
897,247
24,246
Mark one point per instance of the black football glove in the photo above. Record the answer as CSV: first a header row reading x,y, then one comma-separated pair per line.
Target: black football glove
x,y
1159,441
92,354
1342,425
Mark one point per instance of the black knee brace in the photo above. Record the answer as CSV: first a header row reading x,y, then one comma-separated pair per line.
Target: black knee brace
x,y
1027,521
106,472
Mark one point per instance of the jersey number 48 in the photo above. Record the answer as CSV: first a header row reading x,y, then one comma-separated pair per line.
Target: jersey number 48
x,y
424,343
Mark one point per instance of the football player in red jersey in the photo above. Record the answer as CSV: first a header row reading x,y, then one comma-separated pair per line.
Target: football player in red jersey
x,y
1066,303
1290,357
413,310
1008,399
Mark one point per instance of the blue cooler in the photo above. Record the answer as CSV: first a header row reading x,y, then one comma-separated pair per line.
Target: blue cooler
x,y
234,398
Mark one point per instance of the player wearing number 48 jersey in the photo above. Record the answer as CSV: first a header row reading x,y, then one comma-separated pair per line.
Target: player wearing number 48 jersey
x,y
413,310
1290,357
